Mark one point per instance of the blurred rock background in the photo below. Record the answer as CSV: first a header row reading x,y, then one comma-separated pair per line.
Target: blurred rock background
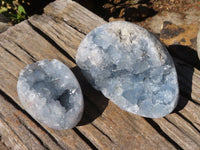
x,y
148,13
4,25
151,14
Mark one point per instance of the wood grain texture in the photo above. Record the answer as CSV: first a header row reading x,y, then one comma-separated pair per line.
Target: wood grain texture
x,y
3,146
57,34
98,132
74,15
11,65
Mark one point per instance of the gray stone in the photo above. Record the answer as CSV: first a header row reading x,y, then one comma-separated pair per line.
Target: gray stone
x,y
3,23
131,68
50,93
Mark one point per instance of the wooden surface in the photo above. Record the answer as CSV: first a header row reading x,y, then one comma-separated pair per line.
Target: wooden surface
x,y
57,34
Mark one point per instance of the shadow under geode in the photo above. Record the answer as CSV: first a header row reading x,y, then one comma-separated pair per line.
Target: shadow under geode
x,y
186,54
185,58
94,102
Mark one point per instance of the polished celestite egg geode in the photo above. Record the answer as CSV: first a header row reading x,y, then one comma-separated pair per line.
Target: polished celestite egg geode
x,y
131,68
50,93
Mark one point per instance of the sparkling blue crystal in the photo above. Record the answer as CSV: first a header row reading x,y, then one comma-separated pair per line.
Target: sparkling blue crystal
x,y
131,68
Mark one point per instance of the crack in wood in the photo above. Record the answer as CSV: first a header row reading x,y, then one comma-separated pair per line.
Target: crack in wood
x,y
180,130
14,104
23,49
6,70
74,27
53,43
31,132
11,101
11,53
102,133
195,102
187,120
84,138
11,129
61,39
2,143
162,133
31,56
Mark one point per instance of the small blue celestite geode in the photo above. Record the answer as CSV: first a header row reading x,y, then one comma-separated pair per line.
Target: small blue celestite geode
x,y
131,68
50,93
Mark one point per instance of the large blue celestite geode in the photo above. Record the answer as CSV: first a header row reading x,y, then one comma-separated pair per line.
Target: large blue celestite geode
x,y
131,68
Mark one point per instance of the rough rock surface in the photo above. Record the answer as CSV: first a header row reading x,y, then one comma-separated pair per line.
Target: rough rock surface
x,y
49,91
131,68
185,35
3,23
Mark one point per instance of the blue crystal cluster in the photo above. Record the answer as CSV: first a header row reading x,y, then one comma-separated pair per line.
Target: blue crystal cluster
x,y
131,68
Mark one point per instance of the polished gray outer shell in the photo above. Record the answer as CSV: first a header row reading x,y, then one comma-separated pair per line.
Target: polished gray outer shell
x,y
131,68
50,93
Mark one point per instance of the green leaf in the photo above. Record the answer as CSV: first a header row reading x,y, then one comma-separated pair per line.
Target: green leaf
x,y
21,10
18,16
3,9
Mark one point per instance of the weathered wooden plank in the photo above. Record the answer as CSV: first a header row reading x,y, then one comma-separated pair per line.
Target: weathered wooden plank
x,y
94,132
128,133
90,131
74,15
10,71
10,138
185,127
65,36
29,135
182,132
174,133
15,50
3,146
65,13
37,21
187,74
32,43
195,94
8,83
10,63
191,113
68,139
182,126
113,128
